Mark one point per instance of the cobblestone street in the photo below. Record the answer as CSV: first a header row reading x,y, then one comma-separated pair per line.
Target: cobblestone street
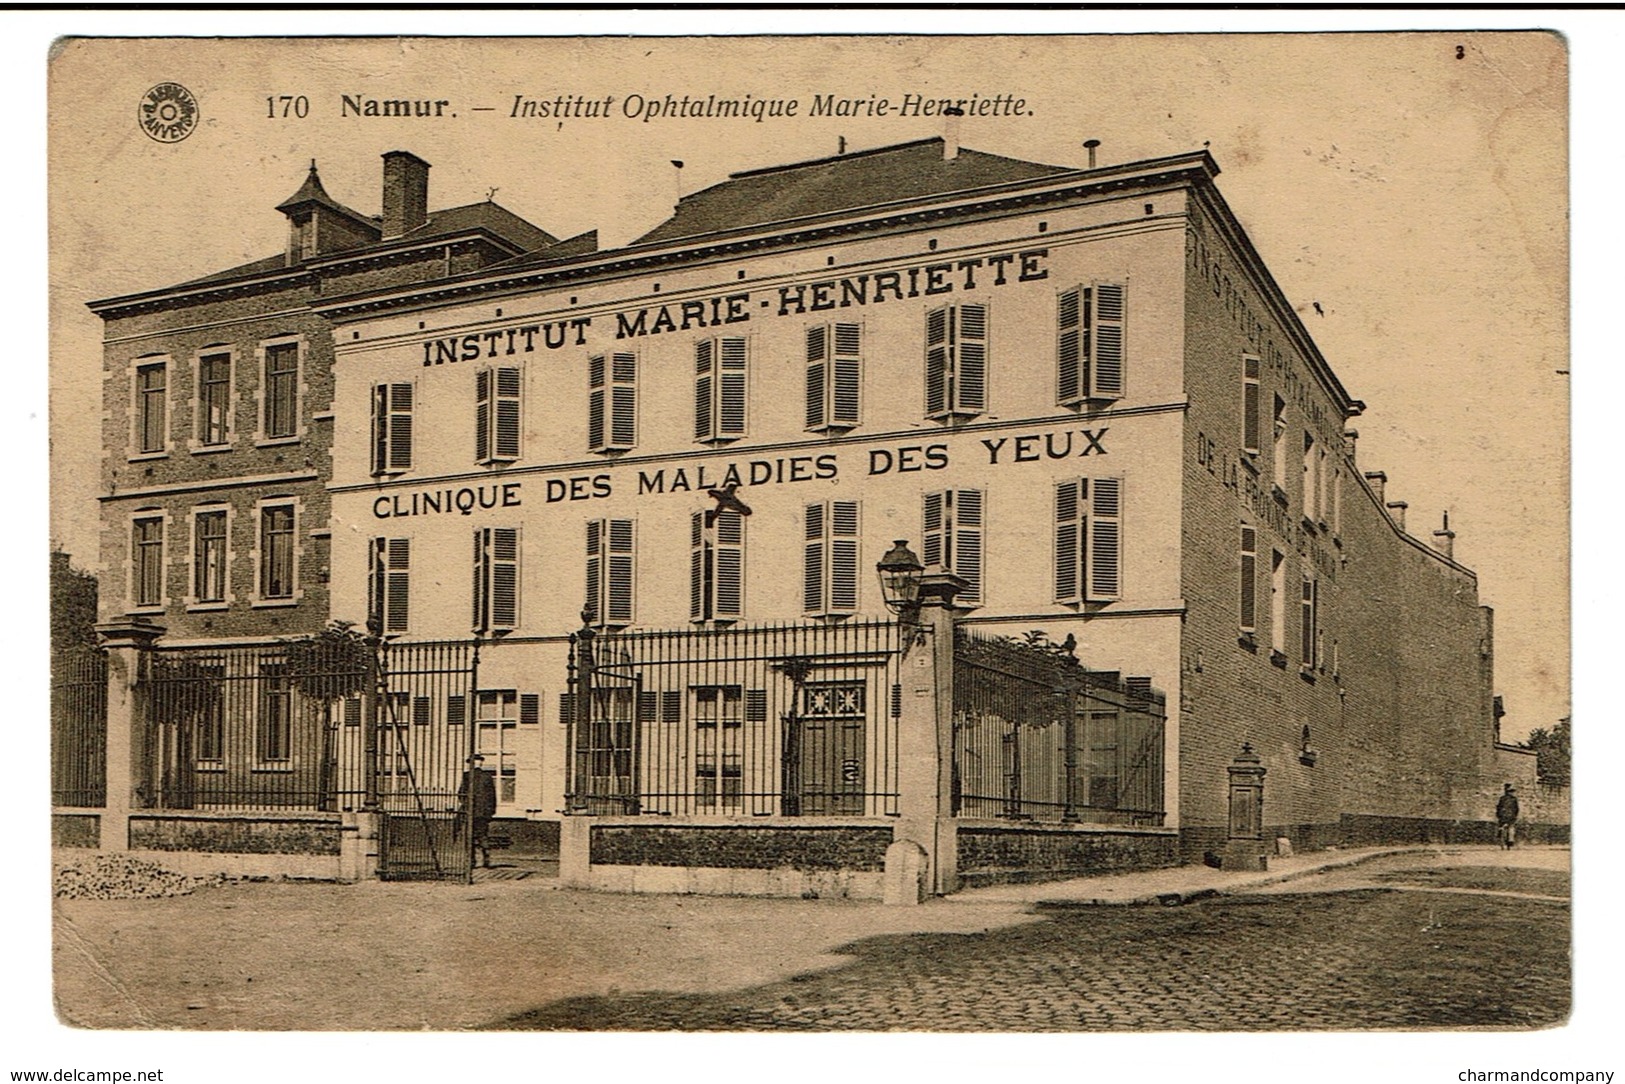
x,y
1465,939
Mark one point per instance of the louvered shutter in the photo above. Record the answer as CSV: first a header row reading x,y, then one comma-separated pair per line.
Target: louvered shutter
x,y
1071,387
478,621
755,705
567,708
421,713
595,571
597,401
400,426
731,411
812,570
843,556
648,710
530,709
1106,363
1249,579
697,610
351,712
729,575
1105,539
817,375
967,542
1249,405
970,359
482,415
704,374
504,578
671,706
1068,586
380,428
623,413
620,572
936,362
933,535
847,380
456,709
508,386
397,590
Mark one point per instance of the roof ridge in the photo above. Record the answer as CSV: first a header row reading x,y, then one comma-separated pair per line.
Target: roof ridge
x,y
839,156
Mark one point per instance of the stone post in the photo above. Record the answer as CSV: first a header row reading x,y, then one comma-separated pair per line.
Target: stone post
x,y
925,732
1245,847
130,765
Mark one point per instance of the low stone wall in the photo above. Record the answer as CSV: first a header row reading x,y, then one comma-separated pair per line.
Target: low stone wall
x,y
860,849
237,833
76,830
1025,854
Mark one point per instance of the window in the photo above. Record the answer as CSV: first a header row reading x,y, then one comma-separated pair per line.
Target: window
x,y
719,388
209,561
718,711
497,718
612,402
1089,344
151,422
281,391
214,400
1337,502
956,361
717,566
610,574
1279,449
1308,627
1249,580
391,427
210,744
1311,478
273,729
389,584
952,537
147,561
1250,405
276,551
1278,603
1088,540
496,416
834,376
830,559
496,579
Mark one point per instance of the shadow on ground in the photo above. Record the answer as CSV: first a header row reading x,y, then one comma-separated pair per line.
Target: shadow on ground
x,y
1370,958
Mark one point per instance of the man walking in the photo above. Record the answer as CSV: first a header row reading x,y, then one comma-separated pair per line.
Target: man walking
x,y
1506,816
477,799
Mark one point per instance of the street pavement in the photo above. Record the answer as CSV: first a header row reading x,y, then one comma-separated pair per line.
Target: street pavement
x,y
1422,938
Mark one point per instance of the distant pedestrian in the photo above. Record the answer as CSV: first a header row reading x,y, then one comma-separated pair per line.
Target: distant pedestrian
x,y
1506,817
477,800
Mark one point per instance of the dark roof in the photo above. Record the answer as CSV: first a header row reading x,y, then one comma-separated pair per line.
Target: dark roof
x,y
582,244
487,215
278,262
313,192
844,182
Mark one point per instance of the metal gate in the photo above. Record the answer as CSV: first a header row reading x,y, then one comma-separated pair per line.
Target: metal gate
x,y
79,727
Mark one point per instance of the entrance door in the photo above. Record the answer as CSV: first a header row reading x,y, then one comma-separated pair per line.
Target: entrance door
x,y
831,759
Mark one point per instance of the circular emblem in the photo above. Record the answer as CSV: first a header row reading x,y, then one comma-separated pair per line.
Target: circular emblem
x,y
167,113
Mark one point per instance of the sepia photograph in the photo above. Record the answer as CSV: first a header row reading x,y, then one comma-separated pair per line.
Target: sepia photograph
x,y
977,533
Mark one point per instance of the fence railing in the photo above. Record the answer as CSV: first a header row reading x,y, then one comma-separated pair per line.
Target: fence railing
x,y
1039,737
79,728
789,720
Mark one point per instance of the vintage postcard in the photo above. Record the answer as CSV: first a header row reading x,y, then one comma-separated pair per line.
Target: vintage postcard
x,y
782,533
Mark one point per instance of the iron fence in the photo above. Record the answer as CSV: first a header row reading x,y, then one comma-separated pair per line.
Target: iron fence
x,y
789,720
1039,737
79,728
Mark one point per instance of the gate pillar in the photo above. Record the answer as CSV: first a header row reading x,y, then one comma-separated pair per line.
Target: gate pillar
x,y
925,731
131,765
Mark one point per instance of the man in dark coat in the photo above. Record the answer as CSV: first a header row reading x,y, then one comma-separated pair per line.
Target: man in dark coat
x,y
1506,816
477,799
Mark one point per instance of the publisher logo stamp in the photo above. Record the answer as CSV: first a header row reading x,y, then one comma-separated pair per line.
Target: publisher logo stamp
x,y
168,113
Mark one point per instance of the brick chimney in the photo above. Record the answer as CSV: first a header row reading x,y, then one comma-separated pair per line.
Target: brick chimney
x,y
1379,482
1445,540
1398,510
1351,441
950,132
406,193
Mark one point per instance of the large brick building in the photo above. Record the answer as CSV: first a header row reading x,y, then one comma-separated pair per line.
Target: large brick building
x,y
1077,389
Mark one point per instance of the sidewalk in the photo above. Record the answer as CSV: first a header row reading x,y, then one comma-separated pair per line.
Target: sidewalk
x,y
1177,884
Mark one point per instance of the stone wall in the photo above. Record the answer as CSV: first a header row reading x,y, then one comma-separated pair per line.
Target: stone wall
x,y
851,848
998,854
236,833
76,830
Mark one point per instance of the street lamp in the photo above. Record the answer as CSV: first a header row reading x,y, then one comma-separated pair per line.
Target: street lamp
x,y
900,580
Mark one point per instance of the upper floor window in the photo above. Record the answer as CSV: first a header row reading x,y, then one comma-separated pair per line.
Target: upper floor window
x,y
214,400
281,391
1250,405
952,537
1311,478
716,566
209,555
1278,603
610,572
1309,623
830,559
392,427
956,361
496,417
151,407
1249,580
1089,540
277,562
1280,449
496,579
612,402
389,584
147,561
834,376
1089,345
720,371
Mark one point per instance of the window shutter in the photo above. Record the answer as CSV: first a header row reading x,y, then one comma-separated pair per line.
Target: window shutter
x,y
648,709
1067,541
1249,579
933,532
420,711
817,375
397,588
530,709
597,394
380,428
843,556
970,365
812,576
595,570
456,709
620,571
729,577
482,415
400,426
1071,388
755,705
376,583
504,578
846,404
567,708
1105,539
704,374
731,412
1106,365
696,568
480,618
352,711
1249,405
508,386
623,425
967,542
936,362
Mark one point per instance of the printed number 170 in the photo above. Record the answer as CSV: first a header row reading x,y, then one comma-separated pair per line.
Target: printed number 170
x,y
289,104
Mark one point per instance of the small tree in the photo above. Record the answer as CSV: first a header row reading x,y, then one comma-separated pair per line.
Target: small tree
x,y
73,605
1552,756
332,664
